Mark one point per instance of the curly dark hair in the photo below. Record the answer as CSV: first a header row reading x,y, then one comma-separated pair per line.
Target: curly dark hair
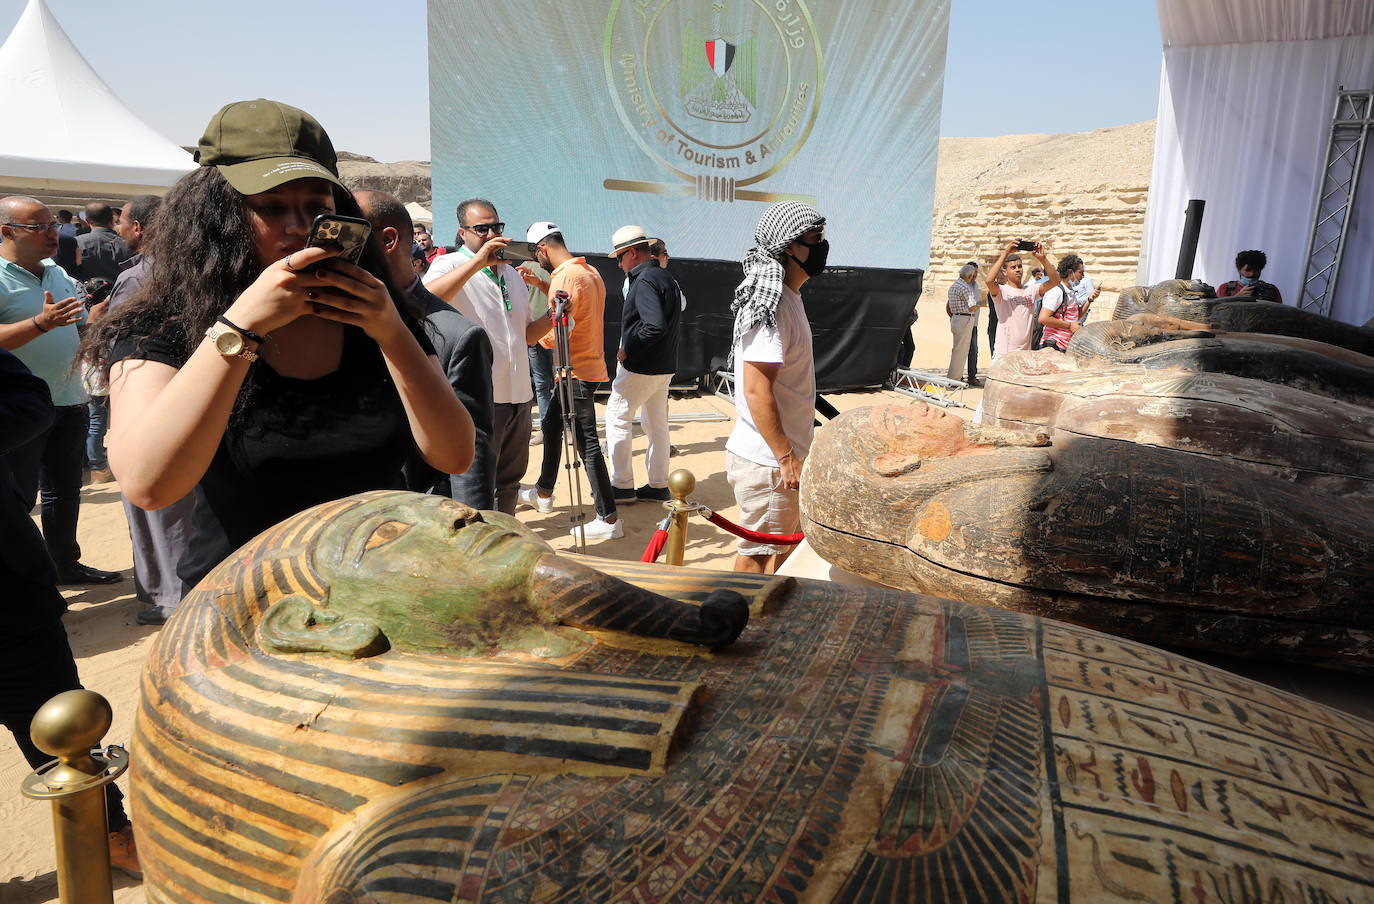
x,y
1067,264
1256,259
198,258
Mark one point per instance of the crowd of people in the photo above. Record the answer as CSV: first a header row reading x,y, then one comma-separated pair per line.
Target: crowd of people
x,y
1046,310
229,374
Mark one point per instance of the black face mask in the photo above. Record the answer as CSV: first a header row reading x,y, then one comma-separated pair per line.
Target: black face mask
x,y
814,265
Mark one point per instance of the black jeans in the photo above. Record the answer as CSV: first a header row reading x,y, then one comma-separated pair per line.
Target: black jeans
x,y
51,463
593,458
36,664
973,356
992,329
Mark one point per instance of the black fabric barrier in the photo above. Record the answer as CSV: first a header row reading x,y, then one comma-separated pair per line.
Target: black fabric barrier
x,y
858,316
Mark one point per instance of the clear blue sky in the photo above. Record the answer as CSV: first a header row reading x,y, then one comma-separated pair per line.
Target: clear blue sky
x,y
1057,66
361,66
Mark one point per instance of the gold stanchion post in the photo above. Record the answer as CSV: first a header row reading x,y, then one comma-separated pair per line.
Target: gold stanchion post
x,y
67,727
681,483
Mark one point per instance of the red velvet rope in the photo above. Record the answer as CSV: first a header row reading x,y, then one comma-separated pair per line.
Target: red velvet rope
x,y
753,536
655,547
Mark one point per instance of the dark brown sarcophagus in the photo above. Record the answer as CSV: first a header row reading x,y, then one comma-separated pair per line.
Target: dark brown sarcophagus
x,y
1314,367
335,717
1146,543
1196,301
1307,439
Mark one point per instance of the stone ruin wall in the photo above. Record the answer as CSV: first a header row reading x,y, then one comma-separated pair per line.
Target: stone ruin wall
x,y
1102,224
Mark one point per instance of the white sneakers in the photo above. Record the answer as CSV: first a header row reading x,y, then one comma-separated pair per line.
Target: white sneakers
x,y
601,530
596,529
530,496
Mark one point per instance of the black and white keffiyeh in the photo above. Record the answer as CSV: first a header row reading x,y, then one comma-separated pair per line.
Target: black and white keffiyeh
x,y
756,298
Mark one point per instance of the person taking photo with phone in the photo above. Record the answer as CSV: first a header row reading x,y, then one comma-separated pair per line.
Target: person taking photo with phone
x,y
1061,312
1015,303
1249,266
491,293
267,375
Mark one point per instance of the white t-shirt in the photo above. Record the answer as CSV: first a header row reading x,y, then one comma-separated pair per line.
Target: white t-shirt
x,y
1053,299
480,300
794,390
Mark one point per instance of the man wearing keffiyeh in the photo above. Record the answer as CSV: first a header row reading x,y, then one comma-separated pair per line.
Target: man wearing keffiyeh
x,y
775,378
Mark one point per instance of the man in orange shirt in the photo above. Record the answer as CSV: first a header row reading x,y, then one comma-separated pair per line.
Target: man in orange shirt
x,y
586,351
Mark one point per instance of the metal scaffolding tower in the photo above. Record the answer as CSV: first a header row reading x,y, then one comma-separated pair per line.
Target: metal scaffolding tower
x,y
1350,127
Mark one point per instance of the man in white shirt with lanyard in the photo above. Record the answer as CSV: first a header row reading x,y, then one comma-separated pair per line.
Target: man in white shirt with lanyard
x,y
491,293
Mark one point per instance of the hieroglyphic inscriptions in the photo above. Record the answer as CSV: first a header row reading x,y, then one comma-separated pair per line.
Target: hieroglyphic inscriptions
x,y
1181,783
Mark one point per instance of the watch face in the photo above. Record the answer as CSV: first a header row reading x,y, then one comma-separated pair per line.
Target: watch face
x,y
229,343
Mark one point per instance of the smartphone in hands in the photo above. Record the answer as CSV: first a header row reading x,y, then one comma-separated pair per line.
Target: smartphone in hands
x,y
332,230
517,252
1024,245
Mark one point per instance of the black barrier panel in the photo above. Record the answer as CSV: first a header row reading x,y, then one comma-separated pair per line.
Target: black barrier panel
x,y
858,316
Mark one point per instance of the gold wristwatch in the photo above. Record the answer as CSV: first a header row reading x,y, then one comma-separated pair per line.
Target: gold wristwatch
x,y
229,341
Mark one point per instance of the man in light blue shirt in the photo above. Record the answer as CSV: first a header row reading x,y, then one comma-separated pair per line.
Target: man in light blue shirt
x,y
40,306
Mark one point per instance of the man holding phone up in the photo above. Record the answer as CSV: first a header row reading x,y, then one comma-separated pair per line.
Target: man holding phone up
x,y
1014,302
489,292
40,306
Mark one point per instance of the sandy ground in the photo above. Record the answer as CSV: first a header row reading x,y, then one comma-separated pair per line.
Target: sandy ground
x,y
110,645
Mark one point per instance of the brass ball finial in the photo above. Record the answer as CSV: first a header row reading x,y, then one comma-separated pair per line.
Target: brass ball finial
x,y
70,724
681,483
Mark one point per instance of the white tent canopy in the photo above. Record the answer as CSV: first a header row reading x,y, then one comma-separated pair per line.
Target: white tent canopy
x,y
52,102
419,215
1246,97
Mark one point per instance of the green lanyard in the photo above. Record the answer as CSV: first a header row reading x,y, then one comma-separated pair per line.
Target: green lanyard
x,y
499,280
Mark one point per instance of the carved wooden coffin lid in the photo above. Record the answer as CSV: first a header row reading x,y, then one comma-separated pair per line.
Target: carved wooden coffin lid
x,y
1310,366
1217,415
853,745
1089,518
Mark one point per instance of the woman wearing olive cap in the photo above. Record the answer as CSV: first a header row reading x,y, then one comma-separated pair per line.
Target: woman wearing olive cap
x,y
247,373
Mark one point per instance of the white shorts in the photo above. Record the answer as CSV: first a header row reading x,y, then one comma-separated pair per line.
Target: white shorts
x,y
764,505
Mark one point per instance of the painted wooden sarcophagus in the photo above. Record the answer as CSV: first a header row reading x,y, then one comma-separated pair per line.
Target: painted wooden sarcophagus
x,y
1316,367
1307,439
394,699
1197,301
1149,543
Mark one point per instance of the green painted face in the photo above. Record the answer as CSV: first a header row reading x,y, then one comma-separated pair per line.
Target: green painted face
x,y
431,573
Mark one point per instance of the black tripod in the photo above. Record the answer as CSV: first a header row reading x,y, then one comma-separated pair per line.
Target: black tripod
x,y
563,377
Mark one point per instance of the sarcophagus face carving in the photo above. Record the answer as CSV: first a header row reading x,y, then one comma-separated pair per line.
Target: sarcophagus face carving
x,y
850,745
1138,541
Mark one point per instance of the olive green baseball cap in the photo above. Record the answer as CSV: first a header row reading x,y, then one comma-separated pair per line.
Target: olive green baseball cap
x,y
260,144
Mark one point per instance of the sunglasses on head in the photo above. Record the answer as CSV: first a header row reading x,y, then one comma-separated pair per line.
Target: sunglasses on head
x,y
484,228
